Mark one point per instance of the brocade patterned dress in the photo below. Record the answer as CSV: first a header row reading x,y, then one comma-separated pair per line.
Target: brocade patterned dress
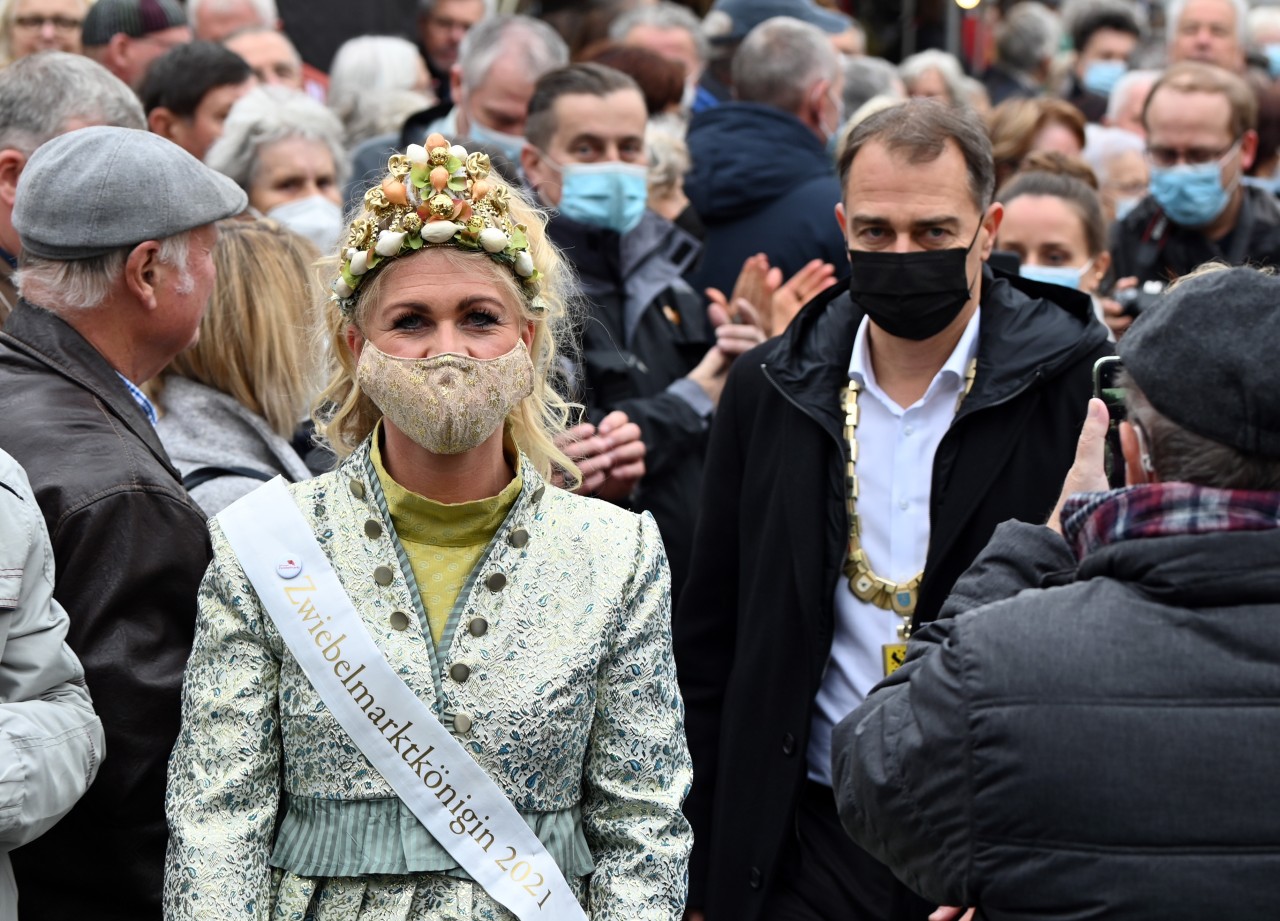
x,y
567,698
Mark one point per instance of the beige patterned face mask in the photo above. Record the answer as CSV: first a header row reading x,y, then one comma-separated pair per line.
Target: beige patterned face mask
x,y
447,403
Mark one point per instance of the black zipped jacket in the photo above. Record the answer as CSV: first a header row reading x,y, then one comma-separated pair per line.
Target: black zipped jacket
x,y
754,625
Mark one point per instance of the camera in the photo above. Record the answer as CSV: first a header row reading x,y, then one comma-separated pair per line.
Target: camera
x,y
1133,301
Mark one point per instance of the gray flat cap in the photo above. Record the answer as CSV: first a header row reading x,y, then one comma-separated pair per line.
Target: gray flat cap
x,y
1204,357
90,191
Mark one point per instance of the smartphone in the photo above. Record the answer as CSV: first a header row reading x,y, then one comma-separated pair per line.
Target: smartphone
x,y
1107,387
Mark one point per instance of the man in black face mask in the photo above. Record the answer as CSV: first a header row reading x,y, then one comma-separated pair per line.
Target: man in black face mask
x,y
858,464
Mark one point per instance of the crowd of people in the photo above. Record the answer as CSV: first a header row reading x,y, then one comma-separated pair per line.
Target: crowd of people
x,y
637,460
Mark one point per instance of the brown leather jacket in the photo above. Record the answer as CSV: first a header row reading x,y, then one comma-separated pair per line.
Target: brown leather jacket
x,y
130,549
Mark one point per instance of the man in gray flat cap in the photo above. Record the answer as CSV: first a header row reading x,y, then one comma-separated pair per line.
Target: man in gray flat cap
x,y
1091,728
117,233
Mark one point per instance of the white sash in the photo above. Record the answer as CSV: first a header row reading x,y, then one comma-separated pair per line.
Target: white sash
x,y
434,775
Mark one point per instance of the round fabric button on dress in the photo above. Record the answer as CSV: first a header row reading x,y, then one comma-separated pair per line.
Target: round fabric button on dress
x,y
357,489
496,582
399,620
372,529
459,672
478,626
518,538
382,575
462,723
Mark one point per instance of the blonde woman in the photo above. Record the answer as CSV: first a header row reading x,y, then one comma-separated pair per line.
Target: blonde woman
x,y
430,684
231,403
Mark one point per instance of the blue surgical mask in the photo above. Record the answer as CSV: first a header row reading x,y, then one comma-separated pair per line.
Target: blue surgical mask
x,y
509,144
611,194
1068,276
1191,194
1273,59
1125,205
1101,76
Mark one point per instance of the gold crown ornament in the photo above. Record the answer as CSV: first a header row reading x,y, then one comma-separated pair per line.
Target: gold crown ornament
x,y
435,195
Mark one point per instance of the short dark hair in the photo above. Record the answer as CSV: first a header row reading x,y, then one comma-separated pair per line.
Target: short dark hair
x,y
183,75
574,80
1114,16
921,128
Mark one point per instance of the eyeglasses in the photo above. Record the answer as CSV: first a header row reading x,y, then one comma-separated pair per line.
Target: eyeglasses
x,y
36,22
1165,157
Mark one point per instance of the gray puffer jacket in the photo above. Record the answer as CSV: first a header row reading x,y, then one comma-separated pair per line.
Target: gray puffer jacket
x,y
1105,748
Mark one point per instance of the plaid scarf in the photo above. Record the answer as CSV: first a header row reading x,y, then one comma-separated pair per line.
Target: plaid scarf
x,y
1093,520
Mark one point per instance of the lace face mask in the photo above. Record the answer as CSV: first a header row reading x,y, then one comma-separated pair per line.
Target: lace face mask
x,y
447,403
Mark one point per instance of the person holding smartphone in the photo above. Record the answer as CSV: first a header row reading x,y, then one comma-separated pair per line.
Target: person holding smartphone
x,y
1089,727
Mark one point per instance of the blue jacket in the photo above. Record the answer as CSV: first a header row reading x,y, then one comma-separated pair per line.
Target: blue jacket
x,y
762,182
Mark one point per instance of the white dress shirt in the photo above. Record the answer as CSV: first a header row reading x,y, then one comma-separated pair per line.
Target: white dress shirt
x,y
895,478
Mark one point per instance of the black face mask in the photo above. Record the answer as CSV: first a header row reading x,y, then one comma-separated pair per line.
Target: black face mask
x,y
911,295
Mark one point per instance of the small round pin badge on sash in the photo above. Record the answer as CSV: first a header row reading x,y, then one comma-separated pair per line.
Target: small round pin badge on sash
x,y
289,568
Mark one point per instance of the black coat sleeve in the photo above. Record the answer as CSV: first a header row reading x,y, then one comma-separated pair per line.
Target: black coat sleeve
x,y
129,565
1019,556
705,624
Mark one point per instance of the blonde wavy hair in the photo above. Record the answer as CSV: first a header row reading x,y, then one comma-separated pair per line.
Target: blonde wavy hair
x,y
345,417
255,337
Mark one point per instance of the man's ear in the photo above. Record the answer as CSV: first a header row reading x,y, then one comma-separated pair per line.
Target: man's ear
x,y
163,122
991,224
140,273
842,221
1248,149
116,54
1137,462
12,163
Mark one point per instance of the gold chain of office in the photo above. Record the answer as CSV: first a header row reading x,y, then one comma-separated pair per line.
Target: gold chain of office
x,y
899,597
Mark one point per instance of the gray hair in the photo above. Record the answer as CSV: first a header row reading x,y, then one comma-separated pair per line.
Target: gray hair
x,y
1175,9
365,70
865,78
663,15
779,61
268,12
1129,83
668,154
1029,34
428,6
1179,455
42,93
947,66
540,47
265,116
71,286
1105,144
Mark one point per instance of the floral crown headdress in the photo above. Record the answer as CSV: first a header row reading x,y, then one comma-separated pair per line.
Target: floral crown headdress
x,y
435,195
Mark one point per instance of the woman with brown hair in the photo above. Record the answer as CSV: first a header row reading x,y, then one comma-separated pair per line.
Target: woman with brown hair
x,y
1019,126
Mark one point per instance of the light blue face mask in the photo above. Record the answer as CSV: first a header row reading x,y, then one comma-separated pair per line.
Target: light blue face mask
x,y
1125,205
1191,194
1273,59
509,144
612,194
1101,76
1067,276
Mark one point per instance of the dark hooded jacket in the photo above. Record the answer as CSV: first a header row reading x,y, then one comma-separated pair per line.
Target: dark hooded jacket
x,y
1081,740
761,182
642,330
1150,247
754,626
